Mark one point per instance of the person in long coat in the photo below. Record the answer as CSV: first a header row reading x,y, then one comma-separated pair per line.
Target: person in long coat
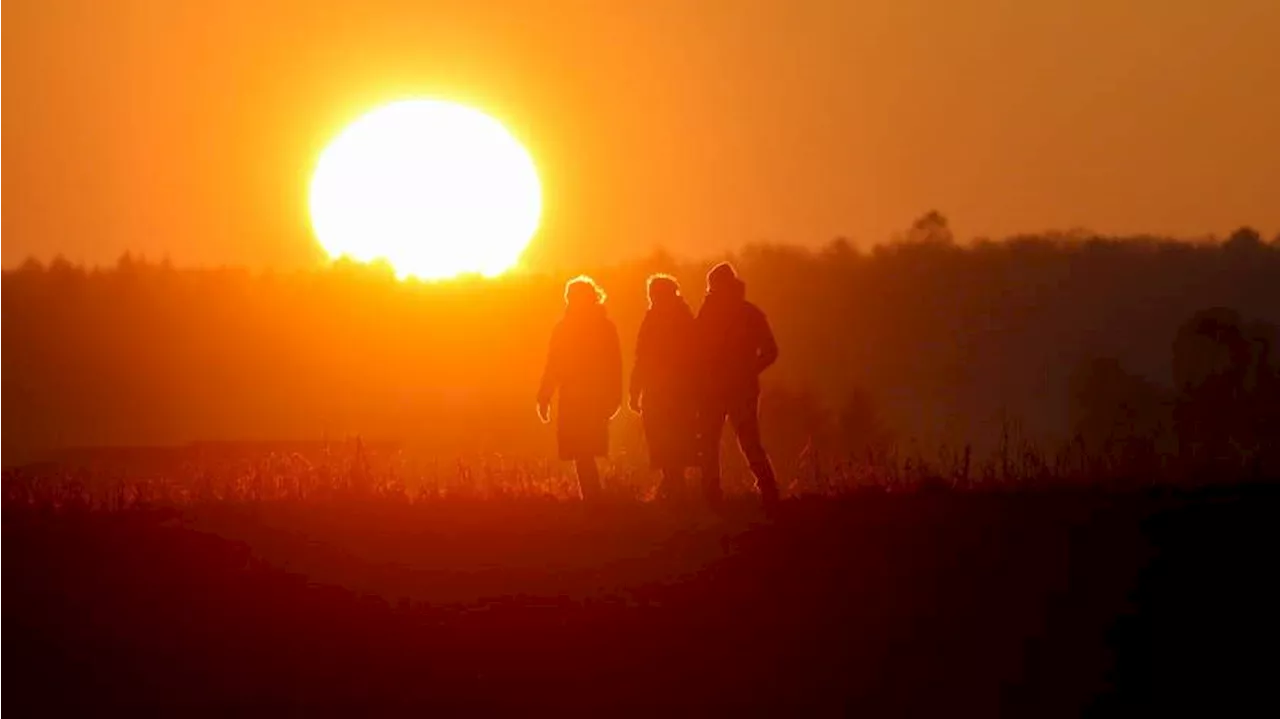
x,y
584,365
663,383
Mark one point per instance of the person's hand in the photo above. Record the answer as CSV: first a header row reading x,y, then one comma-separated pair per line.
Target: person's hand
x,y
634,405
544,411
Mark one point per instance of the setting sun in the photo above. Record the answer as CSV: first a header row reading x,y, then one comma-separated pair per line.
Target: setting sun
x,y
435,188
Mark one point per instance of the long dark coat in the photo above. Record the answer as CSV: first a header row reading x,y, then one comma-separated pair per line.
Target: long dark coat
x,y
663,383
584,364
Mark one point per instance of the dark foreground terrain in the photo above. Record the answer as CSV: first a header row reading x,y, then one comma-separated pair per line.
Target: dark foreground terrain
x,y
1022,603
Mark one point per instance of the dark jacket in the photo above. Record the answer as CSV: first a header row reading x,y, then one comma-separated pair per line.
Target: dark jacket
x,y
735,342
664,369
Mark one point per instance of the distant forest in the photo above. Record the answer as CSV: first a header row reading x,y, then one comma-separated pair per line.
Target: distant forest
x,y
922,342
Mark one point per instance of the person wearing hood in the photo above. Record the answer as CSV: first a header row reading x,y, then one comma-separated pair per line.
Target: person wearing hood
x,y
736,345
663,383
584,364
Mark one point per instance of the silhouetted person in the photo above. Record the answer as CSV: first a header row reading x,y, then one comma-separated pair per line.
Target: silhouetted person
x,y
584,364
663,383
735,346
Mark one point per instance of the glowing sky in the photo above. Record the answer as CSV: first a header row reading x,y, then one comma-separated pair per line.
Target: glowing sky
x,y
189,130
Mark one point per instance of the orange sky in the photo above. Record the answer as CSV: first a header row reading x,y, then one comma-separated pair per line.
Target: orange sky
x,y
189,129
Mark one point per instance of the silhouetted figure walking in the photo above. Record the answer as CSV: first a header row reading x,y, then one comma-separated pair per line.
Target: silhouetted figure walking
x,y
584,364
663,383
736,345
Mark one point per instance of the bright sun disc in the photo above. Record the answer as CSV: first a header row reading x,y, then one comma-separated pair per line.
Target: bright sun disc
x,y
434,188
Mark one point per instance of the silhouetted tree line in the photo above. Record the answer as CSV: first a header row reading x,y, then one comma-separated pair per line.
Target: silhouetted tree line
x,y
1137,347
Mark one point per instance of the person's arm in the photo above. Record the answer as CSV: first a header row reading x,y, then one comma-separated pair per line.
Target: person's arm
x,y
767,346
551,373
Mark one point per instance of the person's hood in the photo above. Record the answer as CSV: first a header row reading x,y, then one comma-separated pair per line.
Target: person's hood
x,y
728,289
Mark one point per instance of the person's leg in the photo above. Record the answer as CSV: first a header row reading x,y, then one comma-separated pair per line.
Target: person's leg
x,y
588,478
745,417
711,420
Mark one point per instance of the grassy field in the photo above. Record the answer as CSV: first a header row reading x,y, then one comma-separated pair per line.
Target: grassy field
x,y
1025,601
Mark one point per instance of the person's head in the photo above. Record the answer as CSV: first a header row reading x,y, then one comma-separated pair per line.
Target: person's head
x,y
723,280
582,292
663,289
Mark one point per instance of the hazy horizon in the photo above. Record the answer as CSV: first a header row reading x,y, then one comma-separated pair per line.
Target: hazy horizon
x,y
641,255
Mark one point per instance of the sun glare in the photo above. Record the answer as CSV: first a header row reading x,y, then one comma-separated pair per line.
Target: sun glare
x,y
435,188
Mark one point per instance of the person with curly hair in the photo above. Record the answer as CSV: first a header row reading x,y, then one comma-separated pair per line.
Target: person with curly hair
x,y
584,365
